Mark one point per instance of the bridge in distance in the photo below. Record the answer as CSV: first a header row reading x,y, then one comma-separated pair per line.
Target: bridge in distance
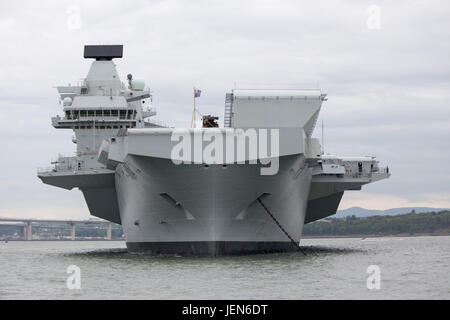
x,y
27,225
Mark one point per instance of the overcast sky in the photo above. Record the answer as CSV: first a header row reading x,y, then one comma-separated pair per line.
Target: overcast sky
x,y
387,81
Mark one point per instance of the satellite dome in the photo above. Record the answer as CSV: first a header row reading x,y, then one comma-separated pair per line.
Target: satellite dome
x,y
67,101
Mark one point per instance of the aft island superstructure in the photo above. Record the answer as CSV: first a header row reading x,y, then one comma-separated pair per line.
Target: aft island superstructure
x,y
205,191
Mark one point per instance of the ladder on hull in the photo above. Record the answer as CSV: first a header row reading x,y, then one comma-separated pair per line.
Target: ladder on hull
x,y
228,110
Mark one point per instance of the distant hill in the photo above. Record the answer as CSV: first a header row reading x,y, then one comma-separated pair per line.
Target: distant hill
x,y
361,212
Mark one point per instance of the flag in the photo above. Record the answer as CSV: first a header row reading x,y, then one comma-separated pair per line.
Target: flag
x,y
197,93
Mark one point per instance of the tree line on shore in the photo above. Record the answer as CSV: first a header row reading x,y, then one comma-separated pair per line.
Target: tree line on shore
x,y
411,223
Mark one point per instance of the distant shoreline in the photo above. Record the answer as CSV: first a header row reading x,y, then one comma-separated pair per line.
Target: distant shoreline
x,y
356,236
60,240
377,236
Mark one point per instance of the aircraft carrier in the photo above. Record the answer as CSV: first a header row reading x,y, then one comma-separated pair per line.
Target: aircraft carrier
x,y
247,187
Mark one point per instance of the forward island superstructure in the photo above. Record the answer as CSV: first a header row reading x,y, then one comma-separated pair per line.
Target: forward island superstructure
x,y
201,191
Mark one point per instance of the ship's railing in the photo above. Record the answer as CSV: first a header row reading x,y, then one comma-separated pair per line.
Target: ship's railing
x,y
96,118
383,170
359,174
73,154
57,168
67,162
367,173
64,164
122,117
45,169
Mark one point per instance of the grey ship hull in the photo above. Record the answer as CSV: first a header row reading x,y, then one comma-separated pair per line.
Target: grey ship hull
x,y
210,248
193,210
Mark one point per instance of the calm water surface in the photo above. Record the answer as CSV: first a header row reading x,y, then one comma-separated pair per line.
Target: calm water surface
x,y
411,268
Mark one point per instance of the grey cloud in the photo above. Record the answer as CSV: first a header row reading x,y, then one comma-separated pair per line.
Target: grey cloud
x,y
388,89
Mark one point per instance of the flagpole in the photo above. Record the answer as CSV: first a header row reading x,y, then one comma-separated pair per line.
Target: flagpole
x,y
194,108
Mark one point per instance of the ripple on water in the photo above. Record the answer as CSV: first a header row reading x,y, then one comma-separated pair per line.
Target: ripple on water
x,y
331,269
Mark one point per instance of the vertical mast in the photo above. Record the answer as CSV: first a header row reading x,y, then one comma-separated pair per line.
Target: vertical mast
x,y
193,113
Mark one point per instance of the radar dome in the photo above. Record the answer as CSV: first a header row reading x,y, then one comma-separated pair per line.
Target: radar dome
x,y
67,101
